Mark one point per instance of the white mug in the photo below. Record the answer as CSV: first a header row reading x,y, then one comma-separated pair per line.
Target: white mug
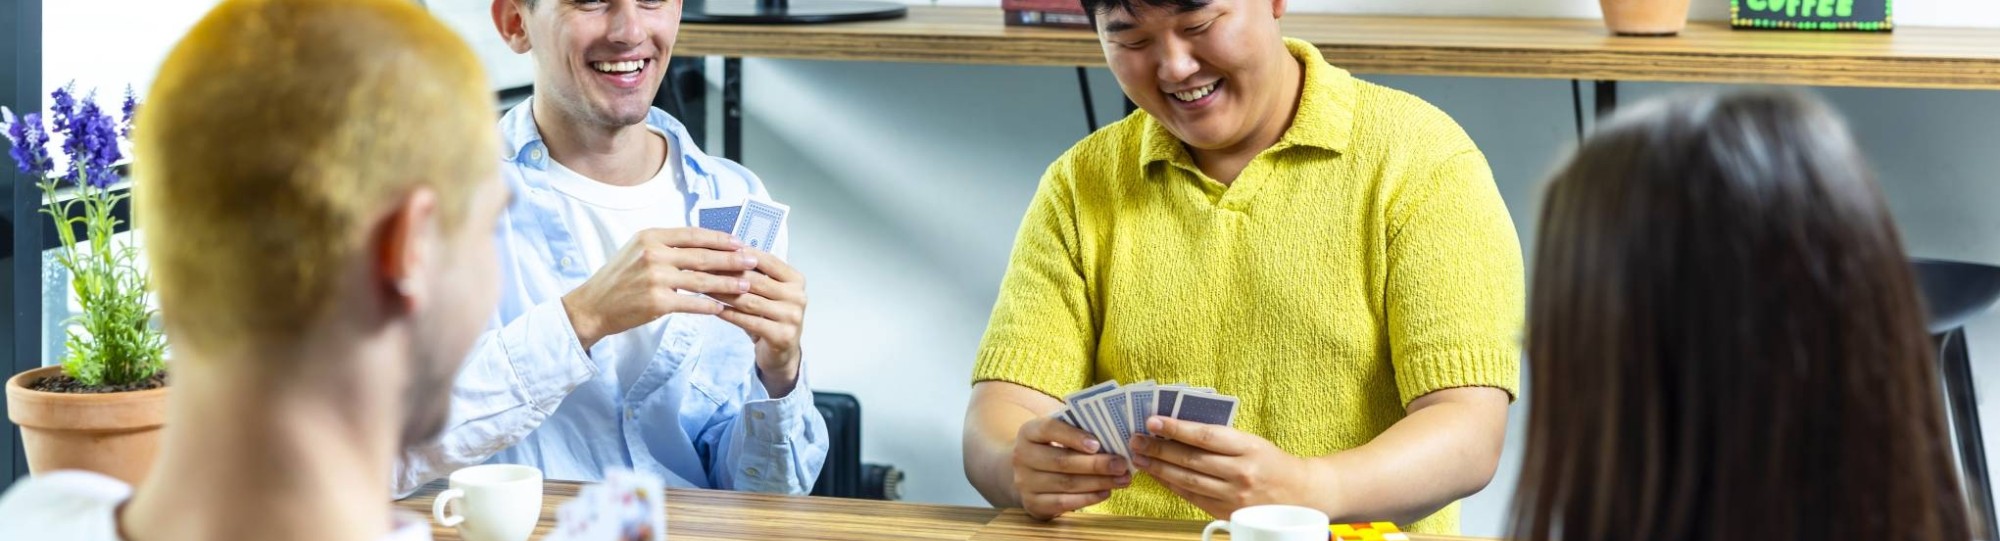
x,y
1272,523
497,502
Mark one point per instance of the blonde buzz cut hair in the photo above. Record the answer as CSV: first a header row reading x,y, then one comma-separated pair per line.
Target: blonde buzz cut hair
x,y
277,133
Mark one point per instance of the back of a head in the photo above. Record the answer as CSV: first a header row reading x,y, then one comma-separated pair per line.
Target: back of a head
x,y
277,133
1725,338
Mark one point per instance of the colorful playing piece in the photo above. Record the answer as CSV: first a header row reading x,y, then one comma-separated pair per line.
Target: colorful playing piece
x,y
1372,531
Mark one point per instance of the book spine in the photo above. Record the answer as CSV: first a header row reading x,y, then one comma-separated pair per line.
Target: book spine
x,y
1047,19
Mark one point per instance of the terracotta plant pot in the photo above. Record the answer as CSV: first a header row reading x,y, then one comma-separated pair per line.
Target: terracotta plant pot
x,y
1645,17
115,434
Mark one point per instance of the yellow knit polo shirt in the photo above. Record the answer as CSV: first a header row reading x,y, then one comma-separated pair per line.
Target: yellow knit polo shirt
x,y
1363,261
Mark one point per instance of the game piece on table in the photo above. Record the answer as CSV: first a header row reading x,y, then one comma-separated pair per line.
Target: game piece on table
x,y
1360,531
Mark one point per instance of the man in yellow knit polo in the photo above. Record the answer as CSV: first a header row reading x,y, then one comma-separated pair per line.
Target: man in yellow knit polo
x,y
1332,252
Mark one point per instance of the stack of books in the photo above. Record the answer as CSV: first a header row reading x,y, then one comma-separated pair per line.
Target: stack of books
x,y
1050,13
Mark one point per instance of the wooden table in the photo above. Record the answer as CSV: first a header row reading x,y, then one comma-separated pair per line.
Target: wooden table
x,y
701,515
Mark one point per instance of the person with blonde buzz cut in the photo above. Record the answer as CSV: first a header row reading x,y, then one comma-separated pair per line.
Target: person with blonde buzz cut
x,y
317,196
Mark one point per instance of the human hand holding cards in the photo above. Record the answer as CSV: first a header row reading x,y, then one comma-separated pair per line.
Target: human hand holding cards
x,y
773,309
713,271
1115,414
1076,456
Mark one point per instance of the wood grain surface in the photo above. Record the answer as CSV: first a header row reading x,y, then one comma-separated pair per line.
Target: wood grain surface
x,y
703,515
1911,57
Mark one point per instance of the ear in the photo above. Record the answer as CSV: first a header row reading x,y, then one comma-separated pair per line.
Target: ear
x,y
405,248
1277,9
512,24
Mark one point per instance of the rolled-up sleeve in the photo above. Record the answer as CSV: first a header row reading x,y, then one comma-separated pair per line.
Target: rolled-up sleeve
x,y
771,445
514,379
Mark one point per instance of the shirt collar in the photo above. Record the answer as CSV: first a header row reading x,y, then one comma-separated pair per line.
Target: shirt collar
x,y
1325,116
522,139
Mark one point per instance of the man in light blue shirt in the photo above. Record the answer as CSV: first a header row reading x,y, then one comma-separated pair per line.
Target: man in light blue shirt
x,y
600,355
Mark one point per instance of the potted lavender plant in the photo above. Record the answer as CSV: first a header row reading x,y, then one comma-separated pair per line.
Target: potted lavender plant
x,y
1645,17
102,409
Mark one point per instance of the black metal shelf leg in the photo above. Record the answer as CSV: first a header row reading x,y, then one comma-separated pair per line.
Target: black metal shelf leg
x,y
1607,98
732,109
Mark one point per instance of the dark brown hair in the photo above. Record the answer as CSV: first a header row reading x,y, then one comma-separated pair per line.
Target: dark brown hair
x,y
1725,339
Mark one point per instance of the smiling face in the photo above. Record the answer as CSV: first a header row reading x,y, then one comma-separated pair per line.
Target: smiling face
x,y
597,62
1213,73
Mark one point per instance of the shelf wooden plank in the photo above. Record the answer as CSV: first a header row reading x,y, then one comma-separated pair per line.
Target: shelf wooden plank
x,y
1911,57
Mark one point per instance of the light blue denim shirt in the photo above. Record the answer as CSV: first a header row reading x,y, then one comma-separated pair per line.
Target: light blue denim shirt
x,y
697,416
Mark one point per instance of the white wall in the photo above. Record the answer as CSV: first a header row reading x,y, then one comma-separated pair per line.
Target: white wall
x,y
109,44
473,19
907,183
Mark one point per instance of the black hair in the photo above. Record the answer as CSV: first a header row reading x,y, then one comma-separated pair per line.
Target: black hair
x,y
1091,7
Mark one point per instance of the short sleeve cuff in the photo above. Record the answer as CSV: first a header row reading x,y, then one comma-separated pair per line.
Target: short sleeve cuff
x,y
1053,375
1497,368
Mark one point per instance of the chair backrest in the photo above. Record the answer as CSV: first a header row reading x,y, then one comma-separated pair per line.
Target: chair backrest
x,y
1955,292
841,477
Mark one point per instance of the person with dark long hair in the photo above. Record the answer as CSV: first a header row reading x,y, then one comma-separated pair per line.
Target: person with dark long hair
x,y
1725,340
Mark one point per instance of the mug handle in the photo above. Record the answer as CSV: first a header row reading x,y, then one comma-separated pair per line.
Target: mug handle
x,y
1210,530
437,507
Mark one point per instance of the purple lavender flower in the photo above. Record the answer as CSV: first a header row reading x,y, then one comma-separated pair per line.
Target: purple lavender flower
x,y
90,138
131,108
93,144
30,143
63,108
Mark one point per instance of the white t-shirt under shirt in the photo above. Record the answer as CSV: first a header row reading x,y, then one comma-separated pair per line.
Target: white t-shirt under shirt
x,y
83,506
604,218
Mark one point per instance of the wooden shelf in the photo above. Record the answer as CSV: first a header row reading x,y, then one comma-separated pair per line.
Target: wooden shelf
x,y
1911,57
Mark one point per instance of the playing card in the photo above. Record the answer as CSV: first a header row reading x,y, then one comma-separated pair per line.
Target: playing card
x,y
1083,418
626,506
758,224
1206,408
1099,419
1087,392
1064,416
1119,406
718,216
1142,396
1166,398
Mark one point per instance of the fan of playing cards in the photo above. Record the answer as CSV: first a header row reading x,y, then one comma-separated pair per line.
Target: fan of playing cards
x,y
755,222
1114,414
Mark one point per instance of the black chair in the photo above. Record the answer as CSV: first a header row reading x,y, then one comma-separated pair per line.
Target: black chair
x,y
1954,293
844,476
